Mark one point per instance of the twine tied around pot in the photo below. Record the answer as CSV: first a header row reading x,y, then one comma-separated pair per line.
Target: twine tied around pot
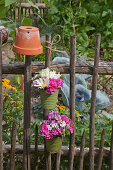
x,y
52,43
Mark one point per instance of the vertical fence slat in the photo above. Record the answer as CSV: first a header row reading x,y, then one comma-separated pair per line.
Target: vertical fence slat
x,y
58,160
47,51
36,147
93,100
1,105
82,152
46,111
27,113
72,99
101,150
111,150
13,144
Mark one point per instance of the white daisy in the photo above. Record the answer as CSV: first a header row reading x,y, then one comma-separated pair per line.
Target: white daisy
x,y
54,75
41,83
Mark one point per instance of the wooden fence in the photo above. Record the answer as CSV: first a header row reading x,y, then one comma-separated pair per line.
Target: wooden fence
x,y
72,151
24,9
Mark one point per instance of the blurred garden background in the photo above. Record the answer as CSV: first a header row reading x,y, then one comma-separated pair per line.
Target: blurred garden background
x,y
63,17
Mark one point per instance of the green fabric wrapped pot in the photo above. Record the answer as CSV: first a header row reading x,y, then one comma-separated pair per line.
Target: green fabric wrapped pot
x,y
48,101
53,145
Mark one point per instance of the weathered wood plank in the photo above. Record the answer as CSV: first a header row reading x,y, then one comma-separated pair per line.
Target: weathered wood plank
x,y
1,105
111,151
93,102
39,5
13,144
82,152
64,150
100,157
72,99
105,68
27,113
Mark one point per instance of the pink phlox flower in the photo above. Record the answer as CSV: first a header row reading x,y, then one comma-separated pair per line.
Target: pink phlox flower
x,y
58,117
52,87
49,136
40,132
54,125
55,132
49,127
50,90
59,121
59,82
51,115
44,127
70,128
68,121
64,118
53,121
53,83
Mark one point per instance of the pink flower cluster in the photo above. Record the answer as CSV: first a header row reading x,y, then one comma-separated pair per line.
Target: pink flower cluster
x,y
53,85
55,125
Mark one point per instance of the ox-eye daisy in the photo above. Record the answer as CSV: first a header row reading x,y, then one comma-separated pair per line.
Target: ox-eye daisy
x,y
41,83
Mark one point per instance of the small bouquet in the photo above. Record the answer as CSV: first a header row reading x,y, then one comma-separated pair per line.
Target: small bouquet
x,y
48,80
55,125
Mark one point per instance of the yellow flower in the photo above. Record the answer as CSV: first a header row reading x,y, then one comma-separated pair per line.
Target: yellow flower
x,y
12,102
11,119
7,86
43,85
62,107
77,113
6,80
18,102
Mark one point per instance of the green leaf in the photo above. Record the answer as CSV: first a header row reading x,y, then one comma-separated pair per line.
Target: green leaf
x,y
27,22
105,13
3,11
9,2
41,18
88,28
2,2
32,4
109,24
47,2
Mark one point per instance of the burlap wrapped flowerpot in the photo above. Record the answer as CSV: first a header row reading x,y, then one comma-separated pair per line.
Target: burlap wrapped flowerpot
x,y
53,145
48,101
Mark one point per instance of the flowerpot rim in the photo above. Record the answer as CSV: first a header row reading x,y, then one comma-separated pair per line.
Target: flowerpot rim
x,y
28,28
26,51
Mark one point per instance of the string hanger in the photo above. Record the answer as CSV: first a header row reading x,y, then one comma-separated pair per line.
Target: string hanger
x,y
54,42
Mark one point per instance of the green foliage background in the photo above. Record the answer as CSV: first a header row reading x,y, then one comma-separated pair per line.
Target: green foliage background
x,y
86,19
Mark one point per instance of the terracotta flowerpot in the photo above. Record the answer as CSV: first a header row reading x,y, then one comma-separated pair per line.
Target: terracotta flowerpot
x,y
48,101
28,41
53,145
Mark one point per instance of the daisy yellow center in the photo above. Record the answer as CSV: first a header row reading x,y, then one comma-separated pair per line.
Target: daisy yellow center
x,y
43,85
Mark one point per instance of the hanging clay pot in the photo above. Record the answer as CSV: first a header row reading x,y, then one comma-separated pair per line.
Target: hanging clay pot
x,y
28,41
